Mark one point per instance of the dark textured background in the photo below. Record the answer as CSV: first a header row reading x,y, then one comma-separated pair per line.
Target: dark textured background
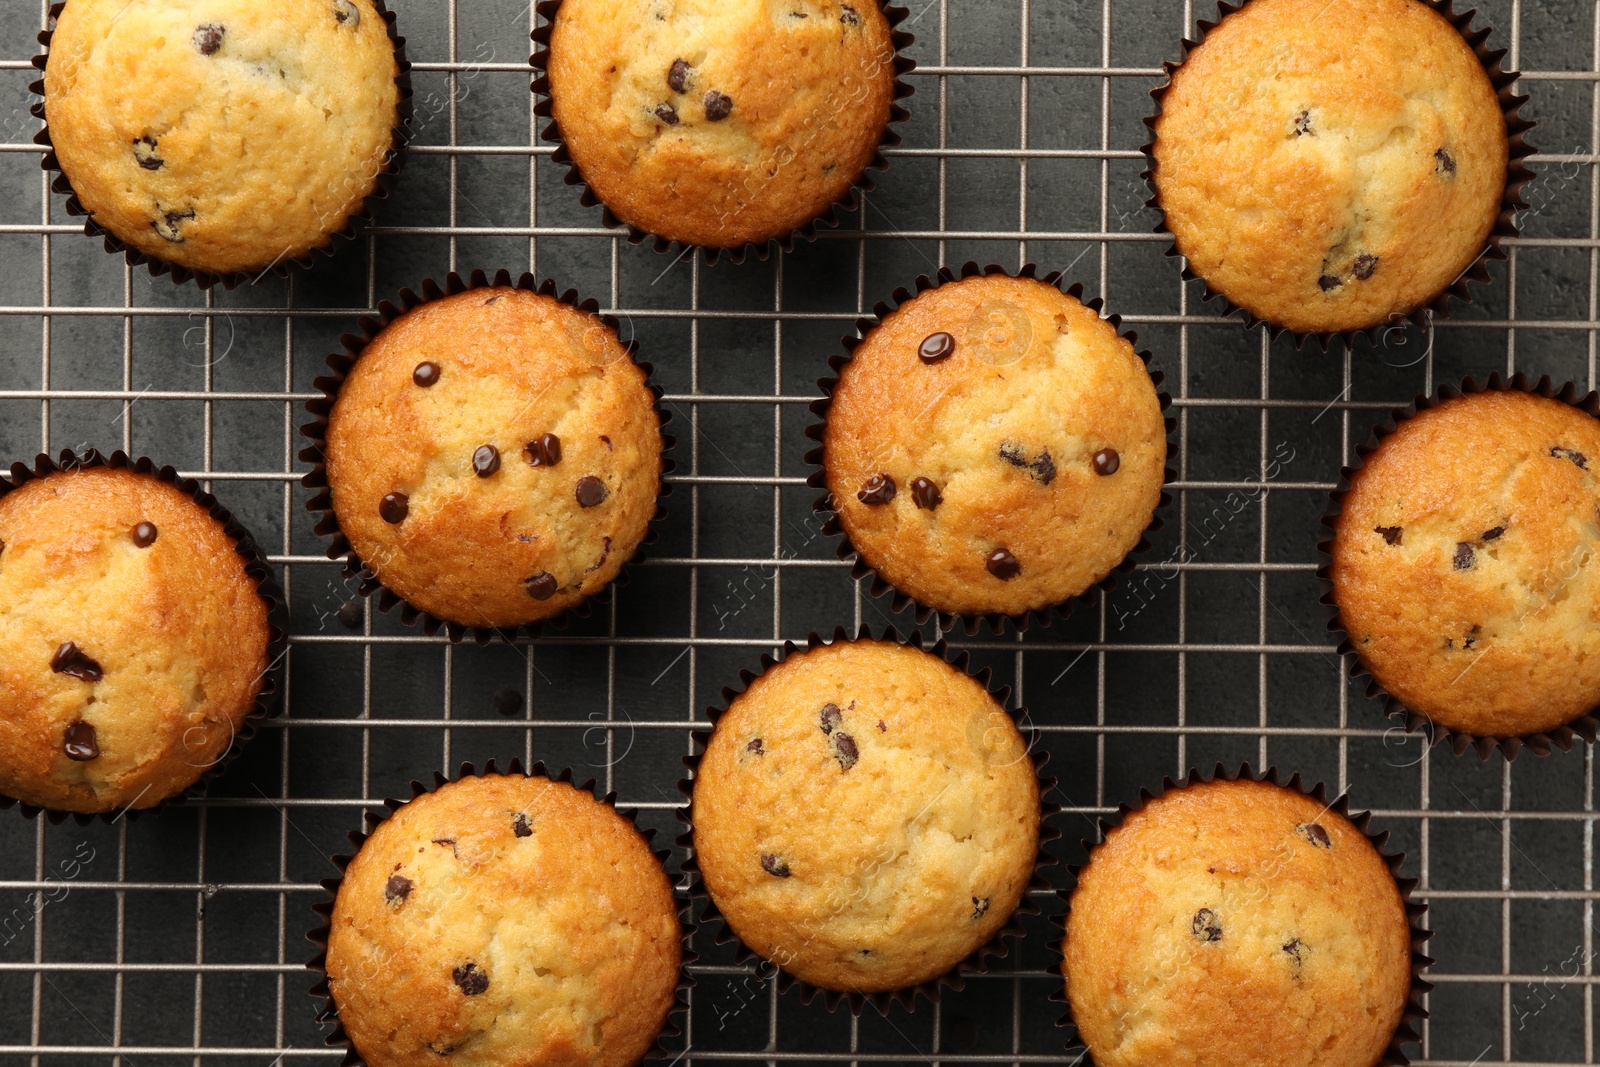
x,y
202,946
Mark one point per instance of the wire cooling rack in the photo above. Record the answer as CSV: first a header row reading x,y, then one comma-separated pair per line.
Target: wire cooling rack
x,y
181,938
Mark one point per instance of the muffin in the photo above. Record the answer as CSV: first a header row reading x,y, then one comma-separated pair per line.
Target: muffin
x,y
866,816
1237,923
1331,174
133,640
993,446
494,456
504,919
1460,563
720,122
222,136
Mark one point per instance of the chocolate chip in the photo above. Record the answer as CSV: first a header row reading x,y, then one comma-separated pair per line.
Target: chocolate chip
x,y
1302,124
472,979
718,107
678,76
542,586
1107,462
1364,265
774,866
1464,557
1003,565
936,346
591,491
394,508
1445,162
79,743
1296,948
1494,534
1313,832
830,717
925,494
166,224
1391,534
426,374
979,906
1577,457
850,17
144,534
71,660
877,490
1329,282
845,751
507,701
882,729
2,548
346,13
144,150
519,825
397,889
1205,926
545,452
666,113
350,613
208,38
755,747
1472,638
1042,466
485,461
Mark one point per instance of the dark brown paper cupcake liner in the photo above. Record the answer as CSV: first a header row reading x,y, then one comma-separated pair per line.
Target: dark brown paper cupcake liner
x,y
255,565
1511,202
846,549
1586,725
829,217
1405,1033
329,1011
281,267
997,947
316,432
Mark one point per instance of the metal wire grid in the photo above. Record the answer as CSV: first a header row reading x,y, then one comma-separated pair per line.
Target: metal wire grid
x,y
782,1031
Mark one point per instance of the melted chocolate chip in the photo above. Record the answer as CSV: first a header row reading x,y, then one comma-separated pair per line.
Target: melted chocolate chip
x,y
830,717
79,742
1577,457
591,491
925,494
1107,462
1314,832
397,889
166,224
1494,534
519,825
2,548
350,614
850,16
1328,282
1003,565
71,660
1302,124
1364,265
144,534
755,747
1391,534
845,751
346,13
426,374
485,461
936,346
1042,466
979,906
507,701
144,151
1445,163
877,490
439,1048
1296,948
666,113
1464,557
718,107
471,979
542,586
774,866
545,452
394,508
208,38
605,554
678,76
1205,926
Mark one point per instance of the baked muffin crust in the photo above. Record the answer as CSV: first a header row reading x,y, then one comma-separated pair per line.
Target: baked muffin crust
x,y
133,642
1237,923
222,135
1466,563
495,456
994,446
866,816
1331,169
721,122
504,919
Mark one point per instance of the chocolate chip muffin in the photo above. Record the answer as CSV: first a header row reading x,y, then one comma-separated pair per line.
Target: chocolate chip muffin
x,y
1237,923
222,136
133,640
1462,563
866,816
494,456
721,123
993,446
504,919
1330,174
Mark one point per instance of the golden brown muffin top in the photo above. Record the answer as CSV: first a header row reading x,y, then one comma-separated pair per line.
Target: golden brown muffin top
x,y
1238,924
1464,563
133,642
1038,441
504,919
495,456
721,122
1331,164
222,135
866,816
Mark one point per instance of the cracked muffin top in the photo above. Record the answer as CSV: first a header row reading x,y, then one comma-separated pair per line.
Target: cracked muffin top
x,y
222,135
994,446
133,641
866,816
504,919
1236,924
721,122
494,457
1329,166
1466,563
